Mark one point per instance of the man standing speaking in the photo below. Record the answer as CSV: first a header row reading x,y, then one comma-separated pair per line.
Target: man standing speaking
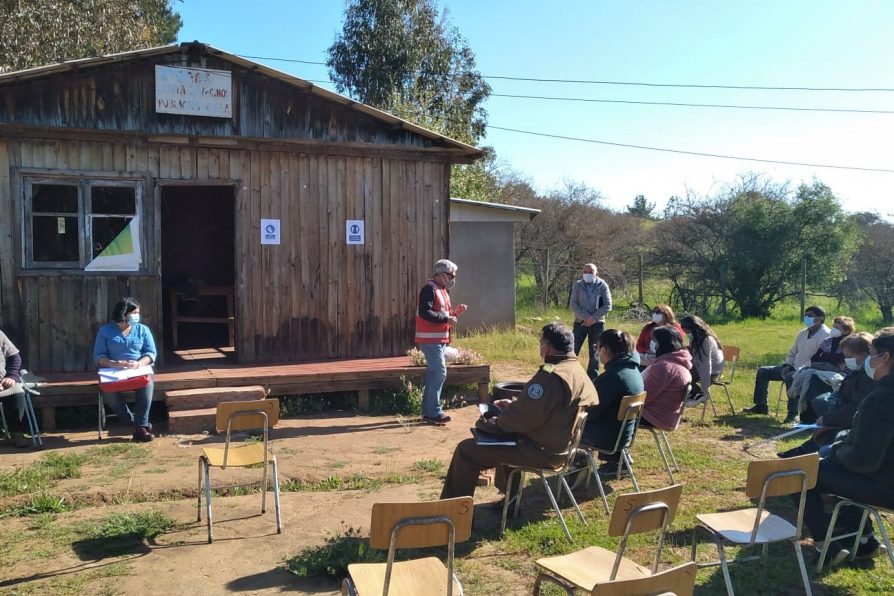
x,y
591,300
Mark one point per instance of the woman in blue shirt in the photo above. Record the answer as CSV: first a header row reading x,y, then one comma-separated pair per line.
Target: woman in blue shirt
x,y
127,343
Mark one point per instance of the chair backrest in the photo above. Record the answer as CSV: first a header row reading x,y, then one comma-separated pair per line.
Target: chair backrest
x,y
730,355
781,476
247,415
679,581
429,527
577,433
630,409
629,509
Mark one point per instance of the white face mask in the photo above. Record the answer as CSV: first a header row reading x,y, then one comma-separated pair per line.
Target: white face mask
x,y
835,332
653,346
851,363
589,278
657,317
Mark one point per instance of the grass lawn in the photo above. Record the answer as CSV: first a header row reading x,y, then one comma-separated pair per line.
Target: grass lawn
x,y
713,466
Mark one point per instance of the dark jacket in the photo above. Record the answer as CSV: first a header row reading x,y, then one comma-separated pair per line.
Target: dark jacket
x,y
621,377
869,448
855,386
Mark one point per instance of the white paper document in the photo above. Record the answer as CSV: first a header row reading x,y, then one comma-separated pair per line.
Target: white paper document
x,y
109,375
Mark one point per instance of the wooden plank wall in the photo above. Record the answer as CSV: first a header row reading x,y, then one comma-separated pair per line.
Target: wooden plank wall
x,y
311,297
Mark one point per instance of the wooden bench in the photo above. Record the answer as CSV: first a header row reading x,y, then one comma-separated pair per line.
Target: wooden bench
x,y
229,320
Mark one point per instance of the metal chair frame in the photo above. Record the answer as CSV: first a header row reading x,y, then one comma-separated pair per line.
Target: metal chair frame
x,y
719,540
560,473
730,354
205,471
632,412
662,442
868,510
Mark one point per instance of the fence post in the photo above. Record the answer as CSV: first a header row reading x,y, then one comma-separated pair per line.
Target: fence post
x,y
803,285
641,278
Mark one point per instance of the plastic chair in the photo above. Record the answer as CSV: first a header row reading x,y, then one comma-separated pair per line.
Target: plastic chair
x,y
28,385
731,360
662,442
634,513
868,510
560,472
241,415
630,409
412,525
678,581
749,527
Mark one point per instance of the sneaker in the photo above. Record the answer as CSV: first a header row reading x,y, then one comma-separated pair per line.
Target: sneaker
x,y
141,434
610,470
790,418
757,409
793,452
698,400
438,420
871,548
836,554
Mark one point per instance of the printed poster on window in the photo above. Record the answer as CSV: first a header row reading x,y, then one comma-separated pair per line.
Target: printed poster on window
x,y
123,253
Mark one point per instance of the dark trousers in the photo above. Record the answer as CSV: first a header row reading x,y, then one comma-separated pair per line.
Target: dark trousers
x,y
765,374
833,478
13,400
591,335
469,459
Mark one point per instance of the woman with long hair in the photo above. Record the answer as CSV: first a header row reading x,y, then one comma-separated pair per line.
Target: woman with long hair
x,y
707,358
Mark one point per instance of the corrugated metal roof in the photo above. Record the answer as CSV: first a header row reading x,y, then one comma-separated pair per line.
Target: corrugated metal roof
x,y
306,86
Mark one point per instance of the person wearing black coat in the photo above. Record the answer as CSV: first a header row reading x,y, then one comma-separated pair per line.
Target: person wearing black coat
x,y
860,467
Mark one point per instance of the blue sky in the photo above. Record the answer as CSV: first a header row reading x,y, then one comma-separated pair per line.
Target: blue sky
x,y
815,43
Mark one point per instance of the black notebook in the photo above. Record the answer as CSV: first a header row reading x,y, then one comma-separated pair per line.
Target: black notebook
x,y
486,438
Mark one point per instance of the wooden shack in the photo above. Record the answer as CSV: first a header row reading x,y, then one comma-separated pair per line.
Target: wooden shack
x,y
214,190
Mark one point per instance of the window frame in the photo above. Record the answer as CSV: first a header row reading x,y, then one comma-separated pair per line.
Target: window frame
x,y
85,217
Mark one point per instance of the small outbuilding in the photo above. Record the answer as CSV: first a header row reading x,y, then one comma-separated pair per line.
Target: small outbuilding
x,y
482,243
240,205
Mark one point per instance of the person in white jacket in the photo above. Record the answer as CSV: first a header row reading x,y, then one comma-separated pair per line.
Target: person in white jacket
x,y
806,344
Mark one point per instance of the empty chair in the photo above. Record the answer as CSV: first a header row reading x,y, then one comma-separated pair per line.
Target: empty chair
x,y
756,525
560,472
678,581
412,525
634,513
629,411
236,416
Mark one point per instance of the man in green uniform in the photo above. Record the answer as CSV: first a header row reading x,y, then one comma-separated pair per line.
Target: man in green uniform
x,y
541,419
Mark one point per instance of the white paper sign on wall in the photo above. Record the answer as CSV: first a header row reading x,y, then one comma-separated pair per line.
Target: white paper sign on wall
x,y
193,91
269,231
354,231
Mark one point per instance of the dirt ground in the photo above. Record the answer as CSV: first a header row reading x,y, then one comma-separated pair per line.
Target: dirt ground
x,y
247,554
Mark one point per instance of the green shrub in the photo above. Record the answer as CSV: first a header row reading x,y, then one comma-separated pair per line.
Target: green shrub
x,y
332,559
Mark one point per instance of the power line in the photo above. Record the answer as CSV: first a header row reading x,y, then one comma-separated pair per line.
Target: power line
x,y
692,105
631,83
684,152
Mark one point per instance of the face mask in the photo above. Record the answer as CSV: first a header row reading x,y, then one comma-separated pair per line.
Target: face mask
x,y
851,363
870,372
808,321
835,332
689,337
589,278
132,319
657,317
450,283
653,346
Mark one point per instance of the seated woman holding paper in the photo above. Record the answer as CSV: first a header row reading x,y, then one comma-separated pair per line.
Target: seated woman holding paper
x,y
836,409
125,343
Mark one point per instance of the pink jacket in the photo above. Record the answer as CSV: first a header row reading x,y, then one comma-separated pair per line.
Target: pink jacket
x,y
664,382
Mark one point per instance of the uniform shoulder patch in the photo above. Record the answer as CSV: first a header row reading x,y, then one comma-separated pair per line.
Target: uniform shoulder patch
x,y
548,368
535,390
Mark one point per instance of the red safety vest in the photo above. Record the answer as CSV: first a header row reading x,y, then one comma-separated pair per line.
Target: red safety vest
x,y
434,333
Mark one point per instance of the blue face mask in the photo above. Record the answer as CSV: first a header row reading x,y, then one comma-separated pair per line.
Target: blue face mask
x,y
132,319
808,320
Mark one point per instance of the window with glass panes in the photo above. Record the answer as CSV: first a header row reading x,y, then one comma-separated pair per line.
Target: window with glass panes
x,y
69,222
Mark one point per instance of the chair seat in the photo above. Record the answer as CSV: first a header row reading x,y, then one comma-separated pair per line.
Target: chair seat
x,y
591,566
417,577
243,455
736,526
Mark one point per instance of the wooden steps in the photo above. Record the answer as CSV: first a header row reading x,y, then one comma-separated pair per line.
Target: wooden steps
x,y
192,411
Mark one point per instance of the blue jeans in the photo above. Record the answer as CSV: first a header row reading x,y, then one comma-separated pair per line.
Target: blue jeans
x,y
765,374
435,375
142,403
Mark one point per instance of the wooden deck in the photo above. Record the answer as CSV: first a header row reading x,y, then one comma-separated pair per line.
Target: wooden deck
x,y
361,375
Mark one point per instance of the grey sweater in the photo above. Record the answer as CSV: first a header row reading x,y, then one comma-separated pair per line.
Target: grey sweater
x,y
591,300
